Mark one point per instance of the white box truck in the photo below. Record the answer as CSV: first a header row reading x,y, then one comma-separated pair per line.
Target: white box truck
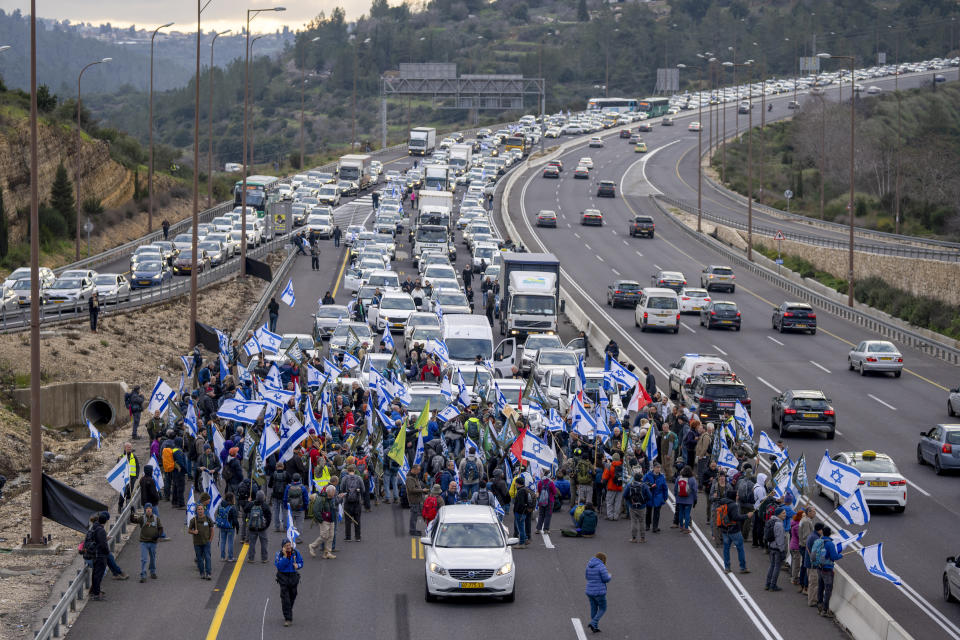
x,y
422,141
460,156
532,300
356,168
437,178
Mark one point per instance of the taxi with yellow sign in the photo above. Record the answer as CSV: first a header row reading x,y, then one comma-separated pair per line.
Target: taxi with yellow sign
x,y
881,482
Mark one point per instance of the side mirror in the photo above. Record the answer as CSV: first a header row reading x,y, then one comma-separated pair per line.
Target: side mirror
x,y
923,433
673,365
513,541
563,306
955,390
425,541
949,558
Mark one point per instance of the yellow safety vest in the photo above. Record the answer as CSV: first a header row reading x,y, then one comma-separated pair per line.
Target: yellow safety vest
x,y
132,464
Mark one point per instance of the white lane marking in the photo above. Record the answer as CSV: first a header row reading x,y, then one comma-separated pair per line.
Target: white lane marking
x,y
614,231
886,404
643,166
775,340
636,252
819,366
837,431
655,265
599,258
768,384
915,486
589,248
626,243
719,350
578,628
615,272
547,542
687,327
263,620
576,234
568,225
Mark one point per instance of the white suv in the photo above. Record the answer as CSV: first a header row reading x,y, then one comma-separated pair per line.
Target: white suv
x,y
467,552
690,366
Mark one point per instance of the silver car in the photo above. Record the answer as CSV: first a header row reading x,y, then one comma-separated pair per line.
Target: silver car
x,y
112,287
326,319
940,446
875,355
951,579
70,292
953,402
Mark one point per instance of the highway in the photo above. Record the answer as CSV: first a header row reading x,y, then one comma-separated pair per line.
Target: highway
x,y
880,413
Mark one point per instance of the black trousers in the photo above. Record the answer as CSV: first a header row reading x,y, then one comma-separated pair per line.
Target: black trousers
x,y
315,263
351,519
99,568
288,592
653,513
177,479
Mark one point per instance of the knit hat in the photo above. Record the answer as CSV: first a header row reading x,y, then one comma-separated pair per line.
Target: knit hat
x,y
103,517
148,505
435,490
234,451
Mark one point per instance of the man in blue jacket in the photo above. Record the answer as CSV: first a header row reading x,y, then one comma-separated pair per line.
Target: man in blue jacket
x,y
288,563
823,554
658,487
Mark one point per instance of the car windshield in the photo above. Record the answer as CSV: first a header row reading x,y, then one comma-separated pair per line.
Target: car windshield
x,y
628,286
469,535
402,304
105,279
695,294
331,312
184,237
723,271
440,271
305,342
146,266
469,348
810,404
484,252
385,281
662,303
877,465
725,306
534,305
542,341
438,402
881,347
362,330
419,320
421,334
725,391
452,298
66,284
565,358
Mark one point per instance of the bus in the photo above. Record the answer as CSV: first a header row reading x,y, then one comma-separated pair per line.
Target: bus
x,y
617,105
257,188
654,107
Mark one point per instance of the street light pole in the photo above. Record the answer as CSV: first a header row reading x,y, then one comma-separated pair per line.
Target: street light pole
x,y
747,64
210,125
150,117
303,91
196,186
253,133
76,178
896,91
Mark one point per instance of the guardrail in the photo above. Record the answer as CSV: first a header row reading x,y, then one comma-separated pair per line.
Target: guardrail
x,y
899,251
927,345
74,595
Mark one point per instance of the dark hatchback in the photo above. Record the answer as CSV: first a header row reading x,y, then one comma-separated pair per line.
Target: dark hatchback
x,y
714,393
720,313
795,316
624,293
797,410
642,226
607,189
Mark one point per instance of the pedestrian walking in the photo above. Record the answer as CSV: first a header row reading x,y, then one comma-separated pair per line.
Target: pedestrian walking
x,y
685,490
351,491
273,312
375,199
522,508
336,235
288,563
151,530
323,510
295,501
228,524
95,551
135,405
413,199
639,496
777,546
414,487
597,577
165,225
201,527
546,496
658,484
613,476
93,305
314,258
133,467
258,521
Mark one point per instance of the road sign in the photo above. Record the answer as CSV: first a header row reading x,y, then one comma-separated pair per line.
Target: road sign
x,y
779,260
779,236
88,226
788,194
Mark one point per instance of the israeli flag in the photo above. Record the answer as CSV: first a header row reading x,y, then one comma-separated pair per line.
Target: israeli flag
x,y
191,506
224,368
468,442
240,411
501,401
314,377
555,422
224,342
273,380
446,389
187,364
404,470
726,459
651,448
855,509
310,420
182,386
252,346
292,433
386,420
269,442
387,339
157,473
243,374
537,451
95,434
278,397
583,422
119,475
450,412
325,429
350,361
873,560
403,394
215,499
463,396
292,532
439,311
269,341
439,349
270,414
840,478
287,296
743,418
767,446
190,418
845,539
160,397
603,426
580,373
620,374
331,369
219,444
419,452
497,507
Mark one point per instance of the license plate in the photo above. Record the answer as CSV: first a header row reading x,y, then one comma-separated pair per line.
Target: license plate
x,y
724,404
696,308
885,358
800,326
811,415
144,282
876,483
471,585
726,321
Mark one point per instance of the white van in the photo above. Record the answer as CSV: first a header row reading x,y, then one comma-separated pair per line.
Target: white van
x,y
468,336
658,308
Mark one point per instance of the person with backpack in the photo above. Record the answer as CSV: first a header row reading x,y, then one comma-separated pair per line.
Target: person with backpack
x,y
546,495
658,488
470,471
178,475
295,501
775,535
232,472
522,508
278,487
245,491
500,489
431,505
597,577
613,477
351,491
813,578
744,486
483,496
288,563
685,491
823,553
201,528
729,519
95,551
150,532
323,509
717,492
228,524
258,521
638,497
583,474
414,487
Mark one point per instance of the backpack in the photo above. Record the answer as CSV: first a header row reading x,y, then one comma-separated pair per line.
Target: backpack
x,y
255,518
617,476
531,500
295,497
769,511
818,554
437,463
722,518
322,511
227,472
223,517
471,473
640,495
89,546
745,491
543,499
243,491
683,490
483,497
584,474
354,490
166,459
430,507
768,533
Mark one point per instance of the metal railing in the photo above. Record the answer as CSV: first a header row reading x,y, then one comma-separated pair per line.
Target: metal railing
x,y
892,331
896,250
69,600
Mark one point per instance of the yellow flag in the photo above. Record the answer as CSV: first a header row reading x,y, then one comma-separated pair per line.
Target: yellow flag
x,y
421,425
399,447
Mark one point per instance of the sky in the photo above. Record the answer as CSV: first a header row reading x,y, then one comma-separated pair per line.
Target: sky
x,y
220,14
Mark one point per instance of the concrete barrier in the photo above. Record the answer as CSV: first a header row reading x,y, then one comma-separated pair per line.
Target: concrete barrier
x,y
861,615
70,403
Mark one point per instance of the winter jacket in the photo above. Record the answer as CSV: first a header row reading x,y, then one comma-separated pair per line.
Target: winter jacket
x,y
266,514
779,536
148,487
691,497
414,489
659,484
150,528
288,565
610,473
794,535
551,488
733,514
204,529
597,578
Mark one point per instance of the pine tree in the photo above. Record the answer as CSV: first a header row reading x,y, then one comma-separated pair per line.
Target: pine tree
x,y
61,198
4,231
582,14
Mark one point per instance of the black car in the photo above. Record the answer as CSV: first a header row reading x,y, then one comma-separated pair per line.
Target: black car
x,y
645,127
607,189
714,393
720,313
624,133
795,316
797,410
546,218
624,292
642,226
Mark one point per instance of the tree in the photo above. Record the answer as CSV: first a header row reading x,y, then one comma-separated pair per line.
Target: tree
x,y
582,14
61,197
46,101
4,231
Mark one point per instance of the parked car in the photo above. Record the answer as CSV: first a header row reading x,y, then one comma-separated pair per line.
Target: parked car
x,y
150,274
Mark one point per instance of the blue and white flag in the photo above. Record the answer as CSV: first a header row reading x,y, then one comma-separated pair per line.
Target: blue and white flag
x,y
873,560
243,375
651,449
252,346
468,442
223,340
726,459
449,412
439,349
183,385
187,364
501,401
583,423
855,509
240,411
119,475
537,451
446,389
269,442
160,397
388,422
292,532
278,397
603,426
439,312
215,499
191,506
620,374
419,452
331,368
350,361
190,417
310,419
840,478
463,396
497,507
273,379
269,341
555,422
314,377
95,434
742,417
404,470
845,539
767,446
581,375
224,368
157,473
387,339
287,296
292,433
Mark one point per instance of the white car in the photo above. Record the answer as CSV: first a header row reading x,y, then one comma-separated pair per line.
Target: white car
x,y
47,277
881,483
586,162
112,287
69,292
596,142
467,552
184,241
329,194
326,319
420,319
306,342
320,225
392,312
79,273
693,299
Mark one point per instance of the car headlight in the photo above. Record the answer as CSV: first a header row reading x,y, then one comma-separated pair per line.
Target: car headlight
x,y
505,569
437,569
